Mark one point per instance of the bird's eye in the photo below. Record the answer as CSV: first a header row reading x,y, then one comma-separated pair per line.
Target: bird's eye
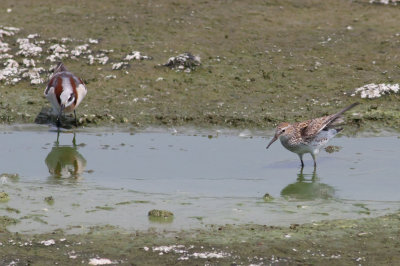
x,y
283,130
71,98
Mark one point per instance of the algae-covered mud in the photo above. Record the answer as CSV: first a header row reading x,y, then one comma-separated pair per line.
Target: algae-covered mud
x,y
261,61
214,197
340,242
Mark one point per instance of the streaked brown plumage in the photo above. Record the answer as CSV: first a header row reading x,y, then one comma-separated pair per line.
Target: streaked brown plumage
x,y
309,136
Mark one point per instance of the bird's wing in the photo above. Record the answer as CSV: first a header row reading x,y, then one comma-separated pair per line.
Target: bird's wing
x,y
315,126
318,124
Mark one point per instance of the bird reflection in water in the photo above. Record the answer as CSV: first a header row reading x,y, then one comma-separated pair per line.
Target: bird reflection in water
x,y
308,187
64,161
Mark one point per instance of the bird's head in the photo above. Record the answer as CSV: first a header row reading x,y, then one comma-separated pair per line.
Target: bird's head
x,y
67,98
282,129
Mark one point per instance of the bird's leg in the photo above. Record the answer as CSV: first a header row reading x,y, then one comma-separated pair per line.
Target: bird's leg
x,y
59,117
314,175
76,122
315,162
58,122
300,176
301,160
74,140
58,136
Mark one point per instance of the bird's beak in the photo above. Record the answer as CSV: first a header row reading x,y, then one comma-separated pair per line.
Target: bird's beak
x,y
61,110
272,141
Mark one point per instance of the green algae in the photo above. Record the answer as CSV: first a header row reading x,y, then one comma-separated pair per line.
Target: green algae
x,y
101,208
10,209
105,208
6,221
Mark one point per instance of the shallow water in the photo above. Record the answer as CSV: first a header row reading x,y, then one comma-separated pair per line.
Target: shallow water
x,y
116,178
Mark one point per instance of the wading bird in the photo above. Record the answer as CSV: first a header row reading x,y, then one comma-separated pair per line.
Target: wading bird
x,y
309,136
65,91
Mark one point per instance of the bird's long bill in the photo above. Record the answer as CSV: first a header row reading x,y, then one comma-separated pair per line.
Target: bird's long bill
x,y
61,110
272,141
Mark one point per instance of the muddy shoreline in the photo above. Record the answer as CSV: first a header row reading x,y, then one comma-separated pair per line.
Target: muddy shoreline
x,y
369,241
258,68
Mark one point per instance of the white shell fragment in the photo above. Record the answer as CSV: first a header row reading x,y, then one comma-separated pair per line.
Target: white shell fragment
x,y
385,2
373,90
23,58
96,261
136,55
48,242
27,48
186,253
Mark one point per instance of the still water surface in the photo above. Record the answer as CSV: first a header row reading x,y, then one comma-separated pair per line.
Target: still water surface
x,y
116,178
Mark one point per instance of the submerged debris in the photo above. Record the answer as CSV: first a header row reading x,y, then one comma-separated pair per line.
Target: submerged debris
x,y
373,90
184,62
4,196
267,197
160,213
49,200
332,149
